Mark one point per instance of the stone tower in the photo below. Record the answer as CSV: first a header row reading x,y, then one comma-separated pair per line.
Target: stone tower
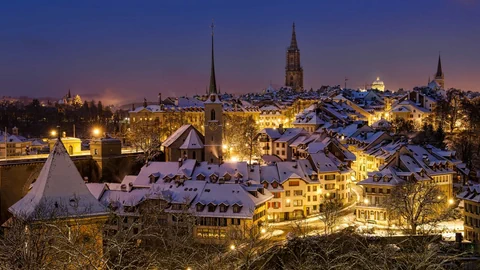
x,y
293,70
213,119
439,76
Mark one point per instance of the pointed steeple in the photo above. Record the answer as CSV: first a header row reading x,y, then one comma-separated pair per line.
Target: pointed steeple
x,y
293,43
69,94
439,68
213,82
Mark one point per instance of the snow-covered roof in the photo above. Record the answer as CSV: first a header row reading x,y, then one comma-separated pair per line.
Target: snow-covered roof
x,y
230,195
290,134
472,193
59,191
385,177
192,141
271,132
323,162
172,138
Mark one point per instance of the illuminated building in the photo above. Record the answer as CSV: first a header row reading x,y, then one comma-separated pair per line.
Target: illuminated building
x,y
378,85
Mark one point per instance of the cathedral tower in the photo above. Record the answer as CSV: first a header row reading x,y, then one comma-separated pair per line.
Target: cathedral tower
x,y
293,70
439,76
213,119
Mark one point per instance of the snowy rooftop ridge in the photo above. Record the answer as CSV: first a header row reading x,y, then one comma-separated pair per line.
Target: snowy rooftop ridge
x,y
59,191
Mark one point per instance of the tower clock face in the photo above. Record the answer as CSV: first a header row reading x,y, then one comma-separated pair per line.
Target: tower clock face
x,y
213,125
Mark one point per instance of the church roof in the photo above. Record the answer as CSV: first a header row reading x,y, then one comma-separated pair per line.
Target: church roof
x,y
172,138
58,192
192,141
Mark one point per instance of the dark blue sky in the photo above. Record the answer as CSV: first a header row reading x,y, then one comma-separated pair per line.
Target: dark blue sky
x,y
132,49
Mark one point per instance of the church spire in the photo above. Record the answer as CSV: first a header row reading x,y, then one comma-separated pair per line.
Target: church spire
x,y
293,43
439,67
213,83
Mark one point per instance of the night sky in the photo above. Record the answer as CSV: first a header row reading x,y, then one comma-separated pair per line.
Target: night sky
x,y
124,50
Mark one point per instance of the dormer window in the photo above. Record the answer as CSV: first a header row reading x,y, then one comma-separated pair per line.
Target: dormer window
x,y
265,184
274,184
377,177
236,208
211,207
200,177
223,208
227,177
200,207
213,178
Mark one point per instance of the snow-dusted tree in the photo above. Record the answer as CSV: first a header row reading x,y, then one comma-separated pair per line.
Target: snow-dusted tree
x,y
240,133
145,138
417,204
347,250
329,213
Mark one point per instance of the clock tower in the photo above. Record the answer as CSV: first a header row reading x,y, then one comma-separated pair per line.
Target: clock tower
x,y
213,119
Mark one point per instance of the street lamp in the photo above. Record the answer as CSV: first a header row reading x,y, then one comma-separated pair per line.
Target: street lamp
x,y
263,231
450,201
96,132
232,247
365,201
53,133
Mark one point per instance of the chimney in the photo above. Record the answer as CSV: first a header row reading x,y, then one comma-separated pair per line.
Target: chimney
x,y
160,99
180,162
123,187
133,106
15,131
64,134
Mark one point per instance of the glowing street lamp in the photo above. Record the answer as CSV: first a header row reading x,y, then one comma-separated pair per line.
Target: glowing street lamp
x,y
263,231
450,201
232,247
96,132
366,201
53,133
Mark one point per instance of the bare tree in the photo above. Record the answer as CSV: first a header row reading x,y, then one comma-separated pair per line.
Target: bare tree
x,y
417,204
240,133
329,215
145,138
347,250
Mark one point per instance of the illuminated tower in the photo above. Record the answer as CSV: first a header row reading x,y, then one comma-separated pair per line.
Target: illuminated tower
x,y
439,76
213,119
293,70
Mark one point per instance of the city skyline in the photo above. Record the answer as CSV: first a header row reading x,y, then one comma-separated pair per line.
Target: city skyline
x,y
122,50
